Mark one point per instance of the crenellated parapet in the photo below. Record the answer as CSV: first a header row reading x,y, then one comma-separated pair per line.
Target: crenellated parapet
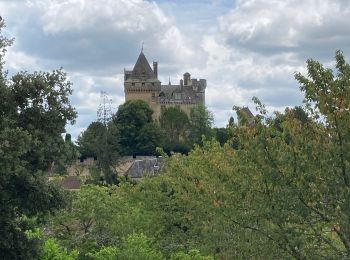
x,y
142,86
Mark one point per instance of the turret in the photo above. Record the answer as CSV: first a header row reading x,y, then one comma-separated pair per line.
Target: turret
x,y
187,79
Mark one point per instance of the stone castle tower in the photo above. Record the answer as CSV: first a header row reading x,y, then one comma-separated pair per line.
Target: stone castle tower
x,y
142,83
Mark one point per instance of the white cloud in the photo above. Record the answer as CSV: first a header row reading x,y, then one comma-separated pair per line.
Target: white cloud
x,y
250,49
20,61
272,26
112,26
128,15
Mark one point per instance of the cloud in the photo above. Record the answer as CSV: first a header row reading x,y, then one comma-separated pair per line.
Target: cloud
x,y
244,48
308,28
260,44
99,35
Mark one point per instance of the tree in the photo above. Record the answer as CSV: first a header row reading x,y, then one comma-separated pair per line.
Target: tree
x,y
101,142
201,121
175,123
92,223
137,132
90,140
52,251
222,135
231,122
43,110
68,155
33,113
296,186
94,218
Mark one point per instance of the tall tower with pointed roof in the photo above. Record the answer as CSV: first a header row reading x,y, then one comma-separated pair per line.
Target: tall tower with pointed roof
x,y
141,83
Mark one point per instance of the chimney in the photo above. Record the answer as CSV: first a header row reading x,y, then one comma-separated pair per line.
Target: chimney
x,y
155,69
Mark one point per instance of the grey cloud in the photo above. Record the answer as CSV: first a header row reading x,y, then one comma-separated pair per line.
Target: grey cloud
x,y
307,28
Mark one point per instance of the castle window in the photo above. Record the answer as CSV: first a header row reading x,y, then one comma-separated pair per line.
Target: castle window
x,y
153,94
143,84
152,83
132,84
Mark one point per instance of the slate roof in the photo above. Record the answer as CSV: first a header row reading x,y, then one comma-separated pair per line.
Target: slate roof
x,y
247,112
137,168
142,69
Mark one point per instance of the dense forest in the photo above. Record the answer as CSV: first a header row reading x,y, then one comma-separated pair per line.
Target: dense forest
x,y
275,186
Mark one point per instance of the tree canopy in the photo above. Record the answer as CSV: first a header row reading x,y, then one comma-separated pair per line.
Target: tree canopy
x,y
201,121
33,113
137,131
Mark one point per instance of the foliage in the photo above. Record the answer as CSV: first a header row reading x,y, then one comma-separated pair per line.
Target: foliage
x,y
101,142
201,121
94,218
222,135
69,154
139,247
33,113
105,253
175,123
43,110
51,251
89,141
191,255
231,122
296,187
138,133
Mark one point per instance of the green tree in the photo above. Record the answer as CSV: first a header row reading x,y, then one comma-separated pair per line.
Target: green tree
x,y
43,110
231,122
33,113
89,141
52,251
201,121
175,123
222,135
300,169
68,155
137,132
139,247
101,142
191,255
102,216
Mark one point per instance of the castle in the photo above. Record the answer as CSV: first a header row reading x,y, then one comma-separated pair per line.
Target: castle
x,y
142,83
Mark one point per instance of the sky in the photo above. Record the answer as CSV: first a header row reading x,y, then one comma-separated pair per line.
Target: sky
x,y
243,48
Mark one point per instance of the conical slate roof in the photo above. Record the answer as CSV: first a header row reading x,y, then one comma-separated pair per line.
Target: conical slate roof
x,y
142,69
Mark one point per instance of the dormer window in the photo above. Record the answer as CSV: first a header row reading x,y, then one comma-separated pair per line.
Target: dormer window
x,y
177,96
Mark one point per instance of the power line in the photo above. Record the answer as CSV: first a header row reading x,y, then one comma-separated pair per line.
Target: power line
x,y
104,112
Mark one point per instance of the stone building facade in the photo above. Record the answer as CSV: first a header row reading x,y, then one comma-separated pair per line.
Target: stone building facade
x,y
142,83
